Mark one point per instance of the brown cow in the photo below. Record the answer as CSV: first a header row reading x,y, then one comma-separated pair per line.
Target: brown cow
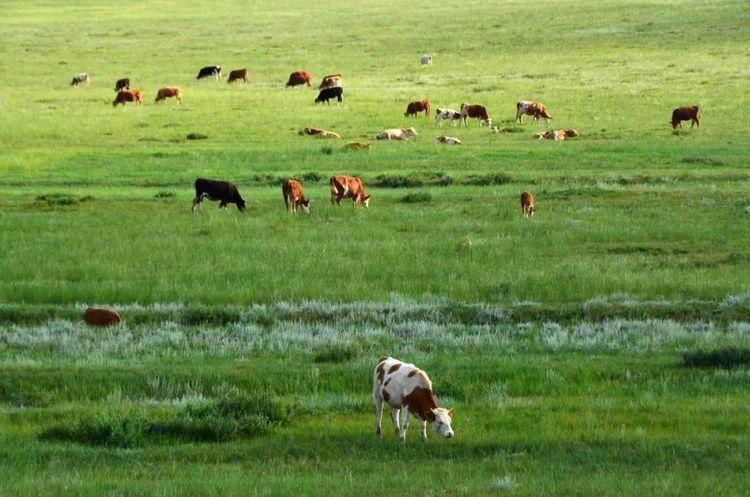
x,y
683,114
294,196
535,109
101,316
167,92
527,204
418,106
128,96
350,187
330,81
474,110
238,74
557,134
299,78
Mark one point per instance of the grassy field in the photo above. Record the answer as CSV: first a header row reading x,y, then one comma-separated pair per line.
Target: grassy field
x,y
575,348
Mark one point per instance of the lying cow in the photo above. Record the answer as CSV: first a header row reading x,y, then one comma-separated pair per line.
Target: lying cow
x,y
294,196
330,81
169,92
81,79
128,96
299,78
535,109
397,134
238,75
208,71
407,389
101,316
323,133
327,94
475,111
447,114
557,134
683,114
122,84
348,187
447,140
357,146
418,106
527,204
223,191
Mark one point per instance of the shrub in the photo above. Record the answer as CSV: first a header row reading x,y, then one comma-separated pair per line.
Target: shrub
x,y
417,197
726,358
196,136
488,179
164,194
337,353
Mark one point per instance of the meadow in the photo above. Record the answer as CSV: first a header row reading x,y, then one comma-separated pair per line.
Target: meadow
x,y
597,349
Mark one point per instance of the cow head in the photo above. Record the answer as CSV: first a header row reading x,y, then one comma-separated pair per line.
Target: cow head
x,y
366,201
305,204
442,422
410,131
240,203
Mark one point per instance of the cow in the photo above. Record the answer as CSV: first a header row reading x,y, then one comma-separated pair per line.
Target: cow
x,y
474,110
299,78
121,84
327,94
397,134
557,134
407,389
350,187
101,316
426,60
223,191
322,133
447,140
330,81
237,75
683,114
527,204
535,109
418,106
167,92
81,78
128,96
447,114
357,146
294,196
208,71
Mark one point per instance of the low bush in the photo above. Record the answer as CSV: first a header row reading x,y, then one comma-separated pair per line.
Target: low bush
x,y
726,358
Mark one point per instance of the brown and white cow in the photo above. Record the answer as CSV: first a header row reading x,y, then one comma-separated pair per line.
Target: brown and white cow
x,y
683,114
557,134
477,111
349,187
169,92
407,389
299,78
294,196
128,96
535,109
238,75
330,81
397,134
447,140
81,78
122,83
418,106
527,204
447,114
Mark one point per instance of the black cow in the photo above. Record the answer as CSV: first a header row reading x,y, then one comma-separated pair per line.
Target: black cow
x,y
122,83
211,189
209,71
328,93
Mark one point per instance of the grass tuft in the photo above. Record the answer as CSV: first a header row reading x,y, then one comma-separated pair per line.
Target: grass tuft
x,y
417,197
725,358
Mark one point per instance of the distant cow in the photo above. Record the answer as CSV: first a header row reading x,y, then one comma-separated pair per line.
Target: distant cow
x,y
223,191
208,71
527,204
128,96
426,60
447,114
294,196
683,114
557,134
407,389
101,316
328,93
323,133
418,106
237,75
535,109
475,111
397,134
168,92
123,83
299,78
330,81
81,79
447,140
348,187
357,146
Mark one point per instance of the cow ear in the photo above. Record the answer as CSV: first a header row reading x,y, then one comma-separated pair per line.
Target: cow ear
x,y
450,413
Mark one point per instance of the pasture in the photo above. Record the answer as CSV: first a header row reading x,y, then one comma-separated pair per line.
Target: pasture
x,y
599,348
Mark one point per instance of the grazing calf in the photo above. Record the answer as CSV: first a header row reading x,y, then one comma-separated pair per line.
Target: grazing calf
x,y
407,389
81,79
223,191
418,106
238,75
101,316
128,96
168,92
350,187
121,84
683,114
477,111
208,71
397,134
447,114
294,196
557,134
527,204
330,81
525,107
327,94
447,140
299,78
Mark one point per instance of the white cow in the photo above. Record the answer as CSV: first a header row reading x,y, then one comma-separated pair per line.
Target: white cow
x,y
426,60
81,78
447,114
407,389
397,134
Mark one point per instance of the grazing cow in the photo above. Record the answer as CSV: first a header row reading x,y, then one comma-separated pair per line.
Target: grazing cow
x,y
237,75
223,191
557,134
447,114
407,389
168,92
330,81
299,78
683,114
327,94
426,60
535,109
209,71
350,187
527,204
128,96
294,196
418,106
121,84
397,134
474,110
81,78
447,140
322,133
101,316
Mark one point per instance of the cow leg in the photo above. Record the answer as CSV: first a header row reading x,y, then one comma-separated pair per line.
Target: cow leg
x,y
223,205
394,417
404,423
423,431
378,415
196,204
